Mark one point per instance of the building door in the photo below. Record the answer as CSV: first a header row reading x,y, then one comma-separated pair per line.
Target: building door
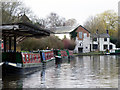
x,y
80,50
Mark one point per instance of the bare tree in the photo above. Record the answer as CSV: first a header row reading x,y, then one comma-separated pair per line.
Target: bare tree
x,y
70,22
11,11
54,20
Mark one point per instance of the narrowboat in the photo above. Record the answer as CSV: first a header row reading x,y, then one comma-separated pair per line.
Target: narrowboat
x,y
117,51
114,52
47,55
20,62
25,62
61,55
69,53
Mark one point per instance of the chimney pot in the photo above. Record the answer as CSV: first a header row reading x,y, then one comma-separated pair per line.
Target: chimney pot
x,y
97,31
107,31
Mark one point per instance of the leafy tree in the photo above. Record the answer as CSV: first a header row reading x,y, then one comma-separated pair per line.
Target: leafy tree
x,y
102,22
106,20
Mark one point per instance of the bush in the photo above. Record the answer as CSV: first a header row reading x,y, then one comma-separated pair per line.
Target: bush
x,y
68,44
42,43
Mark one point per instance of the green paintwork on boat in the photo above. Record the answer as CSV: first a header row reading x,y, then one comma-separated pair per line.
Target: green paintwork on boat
x,y
14,57
59,53
117,51
67,52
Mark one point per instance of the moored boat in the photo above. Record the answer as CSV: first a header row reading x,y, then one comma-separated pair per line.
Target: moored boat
x,y
25,62
20,62
114,52
117,51
69,53
47,55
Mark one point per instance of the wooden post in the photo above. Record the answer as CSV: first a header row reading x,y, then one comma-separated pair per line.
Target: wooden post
x,y
4,43
15,43
9,43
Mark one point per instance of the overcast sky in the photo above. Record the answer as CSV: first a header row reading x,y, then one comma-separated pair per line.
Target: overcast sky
x,y
78,9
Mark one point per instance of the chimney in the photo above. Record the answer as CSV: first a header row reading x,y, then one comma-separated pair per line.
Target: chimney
x,y
97,31
107,31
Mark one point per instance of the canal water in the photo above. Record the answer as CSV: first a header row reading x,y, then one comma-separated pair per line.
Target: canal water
x,y
79,72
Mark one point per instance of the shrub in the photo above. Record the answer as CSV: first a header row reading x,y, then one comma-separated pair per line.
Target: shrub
x,y
42,43
68,44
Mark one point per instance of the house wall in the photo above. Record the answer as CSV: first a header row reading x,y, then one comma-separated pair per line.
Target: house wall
x,y
86,45
102,43
84,42
80,29
87,41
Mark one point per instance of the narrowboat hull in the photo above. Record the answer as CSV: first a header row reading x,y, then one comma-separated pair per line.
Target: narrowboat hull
x,y
10,69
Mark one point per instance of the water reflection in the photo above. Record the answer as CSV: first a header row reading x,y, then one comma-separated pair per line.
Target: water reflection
x,y
79,72
43,76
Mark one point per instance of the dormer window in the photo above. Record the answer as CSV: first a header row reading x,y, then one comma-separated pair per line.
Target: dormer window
x,y
105,39
94,39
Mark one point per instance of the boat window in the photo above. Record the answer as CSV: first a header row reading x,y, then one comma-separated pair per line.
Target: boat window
x,y
37,57
24,57
33,57
30,57
27,58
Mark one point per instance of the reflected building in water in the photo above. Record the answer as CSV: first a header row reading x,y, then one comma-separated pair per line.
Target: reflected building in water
x,y
79,72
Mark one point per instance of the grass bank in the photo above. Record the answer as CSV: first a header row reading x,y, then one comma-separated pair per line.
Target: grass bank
x,y
90,53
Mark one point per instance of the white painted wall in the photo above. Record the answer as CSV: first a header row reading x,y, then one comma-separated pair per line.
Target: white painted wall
x,y
87,41
84,43
102,43
61,36
77,45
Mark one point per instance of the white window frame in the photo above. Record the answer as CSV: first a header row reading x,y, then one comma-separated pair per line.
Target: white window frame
x,y
80,35
85,35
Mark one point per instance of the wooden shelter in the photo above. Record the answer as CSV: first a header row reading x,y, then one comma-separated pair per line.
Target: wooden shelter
x,y
19,31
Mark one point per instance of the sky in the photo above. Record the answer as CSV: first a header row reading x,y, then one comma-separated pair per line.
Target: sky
x,y
80,10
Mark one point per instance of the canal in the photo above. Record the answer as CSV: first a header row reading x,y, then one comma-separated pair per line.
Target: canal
x,y
79,72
